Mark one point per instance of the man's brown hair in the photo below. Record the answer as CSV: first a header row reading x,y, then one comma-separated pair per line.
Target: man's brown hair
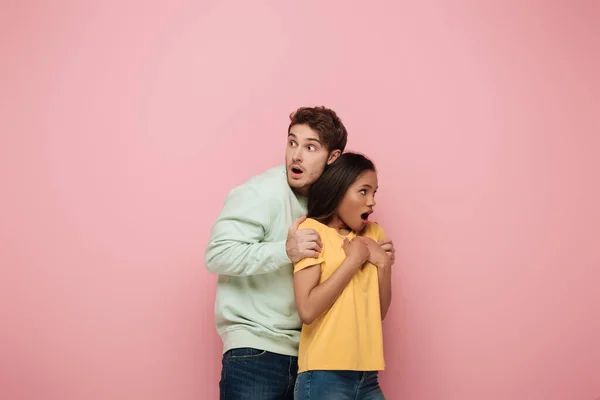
x,y
325,122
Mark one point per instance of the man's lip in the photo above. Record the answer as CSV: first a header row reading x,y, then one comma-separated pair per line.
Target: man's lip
x,y
296,167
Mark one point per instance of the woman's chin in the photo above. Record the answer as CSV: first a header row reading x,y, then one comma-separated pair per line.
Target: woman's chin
x,y
359,227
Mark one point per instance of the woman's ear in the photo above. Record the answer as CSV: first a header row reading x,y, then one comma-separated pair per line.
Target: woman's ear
x,y
333,156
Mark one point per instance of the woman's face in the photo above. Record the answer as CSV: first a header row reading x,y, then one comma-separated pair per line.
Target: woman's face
x,y
359,201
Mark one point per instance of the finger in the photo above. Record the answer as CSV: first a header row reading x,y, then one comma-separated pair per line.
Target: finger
x,y
387,247
368,241
385,241
297,223
313,240
318,246
314,246
308,232
311,236
311,254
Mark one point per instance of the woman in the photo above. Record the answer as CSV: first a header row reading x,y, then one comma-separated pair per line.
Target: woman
x,y
343,295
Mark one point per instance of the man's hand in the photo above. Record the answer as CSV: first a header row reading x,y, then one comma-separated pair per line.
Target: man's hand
x,y
302,243
388,246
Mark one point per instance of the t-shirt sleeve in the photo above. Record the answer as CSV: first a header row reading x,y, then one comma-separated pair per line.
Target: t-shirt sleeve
x,y
310,261
378,233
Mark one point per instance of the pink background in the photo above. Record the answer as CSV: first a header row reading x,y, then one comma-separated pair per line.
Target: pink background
x,y
124,123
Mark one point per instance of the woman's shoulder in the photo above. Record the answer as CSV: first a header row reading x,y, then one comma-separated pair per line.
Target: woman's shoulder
x,y
373,231
310,223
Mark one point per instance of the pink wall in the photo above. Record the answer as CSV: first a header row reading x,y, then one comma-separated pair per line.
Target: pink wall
x,y
124,125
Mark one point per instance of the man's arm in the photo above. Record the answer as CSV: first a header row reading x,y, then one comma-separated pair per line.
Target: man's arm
x,y
236,244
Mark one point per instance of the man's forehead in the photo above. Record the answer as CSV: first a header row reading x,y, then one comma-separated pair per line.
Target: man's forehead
x,y
303,132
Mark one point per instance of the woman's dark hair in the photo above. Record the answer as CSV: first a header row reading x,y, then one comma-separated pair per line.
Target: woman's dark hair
x,y
327,192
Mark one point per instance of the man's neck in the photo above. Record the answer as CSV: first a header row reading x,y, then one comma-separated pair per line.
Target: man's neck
x,y
302,192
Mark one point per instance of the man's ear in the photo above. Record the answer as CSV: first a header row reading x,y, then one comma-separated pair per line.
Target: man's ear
x,y
333,156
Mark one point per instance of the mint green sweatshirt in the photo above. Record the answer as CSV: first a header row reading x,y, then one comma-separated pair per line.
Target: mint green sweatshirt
x,y
254,305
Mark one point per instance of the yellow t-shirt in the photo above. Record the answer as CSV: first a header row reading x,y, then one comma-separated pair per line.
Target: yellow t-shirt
x,y
348,336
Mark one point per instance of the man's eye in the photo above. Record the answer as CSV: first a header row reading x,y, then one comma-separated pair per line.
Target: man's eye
x,y
292,143
311,147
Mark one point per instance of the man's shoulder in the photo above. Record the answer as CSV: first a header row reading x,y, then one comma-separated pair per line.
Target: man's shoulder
x,y
274,176
271,183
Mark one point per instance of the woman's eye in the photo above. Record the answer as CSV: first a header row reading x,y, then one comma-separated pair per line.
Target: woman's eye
x,y
363,191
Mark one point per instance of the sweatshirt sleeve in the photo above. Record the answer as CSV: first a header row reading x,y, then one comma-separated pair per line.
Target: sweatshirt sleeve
x,y
236,245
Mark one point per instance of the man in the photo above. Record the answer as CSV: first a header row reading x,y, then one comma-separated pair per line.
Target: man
x,y
253,246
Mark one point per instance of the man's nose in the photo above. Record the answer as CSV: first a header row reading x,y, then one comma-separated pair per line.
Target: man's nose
x,y
298,155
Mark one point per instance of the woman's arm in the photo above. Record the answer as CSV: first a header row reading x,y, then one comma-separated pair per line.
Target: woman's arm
x,y
384,273
383,262
312,298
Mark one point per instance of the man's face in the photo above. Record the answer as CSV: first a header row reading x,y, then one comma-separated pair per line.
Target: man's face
x,y
305,158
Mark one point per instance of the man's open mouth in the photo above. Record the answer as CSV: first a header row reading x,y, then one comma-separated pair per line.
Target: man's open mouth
x,y
296,170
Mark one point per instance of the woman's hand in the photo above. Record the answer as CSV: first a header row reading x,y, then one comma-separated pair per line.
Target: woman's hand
x,y
357,250
377,255
388,246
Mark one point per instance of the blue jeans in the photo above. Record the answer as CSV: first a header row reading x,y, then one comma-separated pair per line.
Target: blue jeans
x,y
251,374
338,385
